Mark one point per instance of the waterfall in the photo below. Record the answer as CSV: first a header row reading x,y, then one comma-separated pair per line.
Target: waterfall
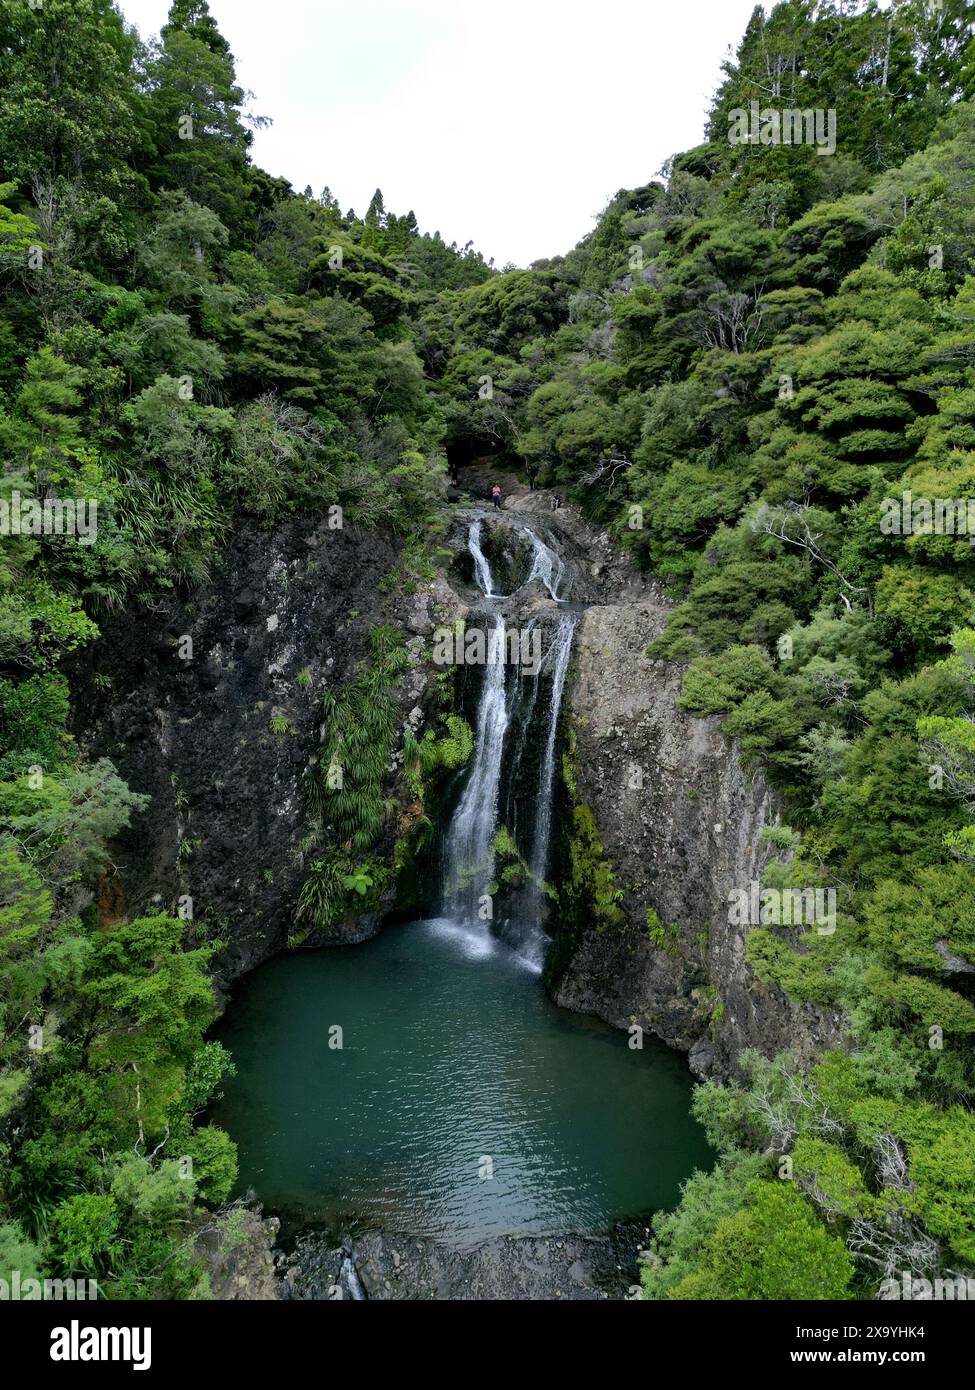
x,y
510,712
546,565
470,843
560,652
470,849
481,567
349,1281
521,711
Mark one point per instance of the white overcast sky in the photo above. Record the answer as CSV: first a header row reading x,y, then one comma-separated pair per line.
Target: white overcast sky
x,y
507,122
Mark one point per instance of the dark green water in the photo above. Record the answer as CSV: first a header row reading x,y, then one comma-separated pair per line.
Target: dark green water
x,y
452,1057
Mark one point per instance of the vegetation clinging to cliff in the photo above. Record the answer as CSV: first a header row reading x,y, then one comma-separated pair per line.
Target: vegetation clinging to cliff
x,y
733,371
741,370
184,340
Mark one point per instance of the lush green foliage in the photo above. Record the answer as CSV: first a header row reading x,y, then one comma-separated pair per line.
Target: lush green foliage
x,y
183,341
346,789
733,371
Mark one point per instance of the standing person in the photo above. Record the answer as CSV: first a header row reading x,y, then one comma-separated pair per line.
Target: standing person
x,y
496,495
532,471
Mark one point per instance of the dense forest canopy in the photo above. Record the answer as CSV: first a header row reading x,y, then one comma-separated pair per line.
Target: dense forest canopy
x,y
736,371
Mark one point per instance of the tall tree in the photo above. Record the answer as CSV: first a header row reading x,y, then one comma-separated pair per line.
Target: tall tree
x,y
69,95
196,108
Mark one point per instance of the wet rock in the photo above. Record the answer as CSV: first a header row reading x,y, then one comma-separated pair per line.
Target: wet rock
x,y
700,1058
679,821
243,1267
210,674
509,1267
197,735
245,605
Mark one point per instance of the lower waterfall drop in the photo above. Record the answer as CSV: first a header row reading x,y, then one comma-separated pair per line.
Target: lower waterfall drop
x,y
500,759
470,843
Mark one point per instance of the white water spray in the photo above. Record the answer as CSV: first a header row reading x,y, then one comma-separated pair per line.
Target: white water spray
x,y
482,569
546,565
560,653
469,853
470,844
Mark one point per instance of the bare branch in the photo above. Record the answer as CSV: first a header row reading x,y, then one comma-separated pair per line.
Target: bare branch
x,y
776,522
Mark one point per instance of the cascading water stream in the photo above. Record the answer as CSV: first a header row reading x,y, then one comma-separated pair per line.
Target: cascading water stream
x,y
470,853
526,933
546,566
482,569
470,849
559,655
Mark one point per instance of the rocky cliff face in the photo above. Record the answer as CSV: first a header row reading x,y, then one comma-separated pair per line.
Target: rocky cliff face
x,y
679,823
221,734
221,730
240,1268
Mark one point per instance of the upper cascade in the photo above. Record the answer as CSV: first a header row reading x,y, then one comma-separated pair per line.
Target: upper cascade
x,y
482,569
546,566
